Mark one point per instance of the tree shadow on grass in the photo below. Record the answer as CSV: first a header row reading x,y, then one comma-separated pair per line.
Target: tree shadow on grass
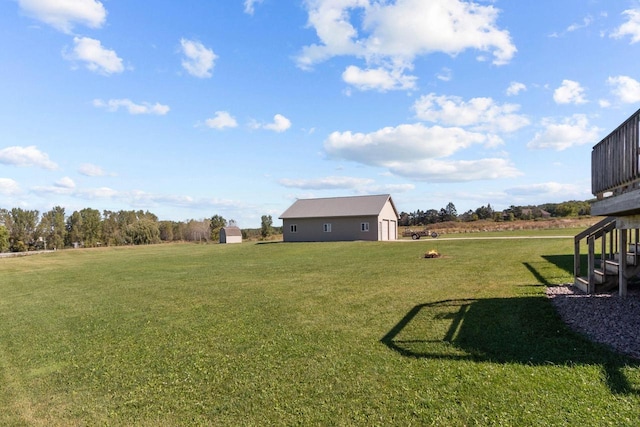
x,y
523,330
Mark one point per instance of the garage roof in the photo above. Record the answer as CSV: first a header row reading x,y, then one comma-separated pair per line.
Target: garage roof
x,y
338,207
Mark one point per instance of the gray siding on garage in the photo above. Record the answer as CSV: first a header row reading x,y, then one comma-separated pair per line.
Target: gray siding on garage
x,y
345,228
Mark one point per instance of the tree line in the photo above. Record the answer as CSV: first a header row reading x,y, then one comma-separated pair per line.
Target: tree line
x,y
513,213
26,230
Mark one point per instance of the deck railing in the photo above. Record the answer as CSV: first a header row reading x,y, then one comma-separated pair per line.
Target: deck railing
x,y
606,232
614,160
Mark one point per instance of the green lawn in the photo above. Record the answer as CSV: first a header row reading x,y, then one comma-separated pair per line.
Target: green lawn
x,y
362,333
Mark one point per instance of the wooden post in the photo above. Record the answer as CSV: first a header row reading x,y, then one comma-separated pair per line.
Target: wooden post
x,y
622,270
591,266
576,260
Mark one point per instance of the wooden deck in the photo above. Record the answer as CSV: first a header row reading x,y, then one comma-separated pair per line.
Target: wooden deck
x,y
615,181
615,170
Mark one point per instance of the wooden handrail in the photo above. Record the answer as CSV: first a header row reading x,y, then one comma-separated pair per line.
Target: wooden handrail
x,y
597,228
596,231
614,160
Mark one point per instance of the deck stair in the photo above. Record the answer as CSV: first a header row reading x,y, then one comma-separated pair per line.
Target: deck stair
x,y
604,257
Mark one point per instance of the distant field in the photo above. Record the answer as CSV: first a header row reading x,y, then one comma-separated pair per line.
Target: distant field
x,y
552,226
359,333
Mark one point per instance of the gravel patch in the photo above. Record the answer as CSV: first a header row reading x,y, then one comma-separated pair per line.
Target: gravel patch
x,y
605,318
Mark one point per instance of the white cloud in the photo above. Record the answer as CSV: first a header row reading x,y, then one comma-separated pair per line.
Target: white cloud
x,y
433,170
481,114
113,105
515,88
199,60
389,188
9,187
415,151
549,191
392,34
26,156
327,183
586,21
604,103
570,92
625,88
280,124
411,27
96,58
403,143
63,14
98,193
577,26
65,182
222,120
567,133
140,198
445,74
89,169
378,78
631,27
358,185
64,186
249,6
166,199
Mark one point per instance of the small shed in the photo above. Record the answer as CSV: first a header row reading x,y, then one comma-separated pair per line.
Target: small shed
x,y
230,235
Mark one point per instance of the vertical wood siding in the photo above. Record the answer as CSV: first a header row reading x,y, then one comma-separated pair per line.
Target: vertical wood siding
x,y
614,160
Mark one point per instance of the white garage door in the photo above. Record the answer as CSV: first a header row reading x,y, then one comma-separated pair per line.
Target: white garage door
x,y
384,232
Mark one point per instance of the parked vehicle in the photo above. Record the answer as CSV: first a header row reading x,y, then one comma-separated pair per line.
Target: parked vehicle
x,y
416,234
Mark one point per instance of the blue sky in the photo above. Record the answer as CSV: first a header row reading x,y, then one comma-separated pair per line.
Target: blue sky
x,y
238,107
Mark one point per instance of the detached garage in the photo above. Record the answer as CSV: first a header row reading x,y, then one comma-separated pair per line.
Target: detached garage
x,y
341,219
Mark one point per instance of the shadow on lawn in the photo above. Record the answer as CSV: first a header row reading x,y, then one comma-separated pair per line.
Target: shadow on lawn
x,y
522,330
565,262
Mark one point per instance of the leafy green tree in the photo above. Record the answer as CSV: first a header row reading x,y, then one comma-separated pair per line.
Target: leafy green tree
x,y
143,232
23,231
91,226
430,216
166,230
84,227
484,212
5,219
404,220
448,213
573,208
52,228
179,231
4,239
112,233
216,224
515,212
452,213
266,229
74,229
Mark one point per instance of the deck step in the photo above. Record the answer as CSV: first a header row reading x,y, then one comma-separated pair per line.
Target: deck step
x,y
582,283
611,267
632,258
605,273
600,276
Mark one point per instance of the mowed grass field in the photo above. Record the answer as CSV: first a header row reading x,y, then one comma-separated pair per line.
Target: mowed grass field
x,y
351,333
